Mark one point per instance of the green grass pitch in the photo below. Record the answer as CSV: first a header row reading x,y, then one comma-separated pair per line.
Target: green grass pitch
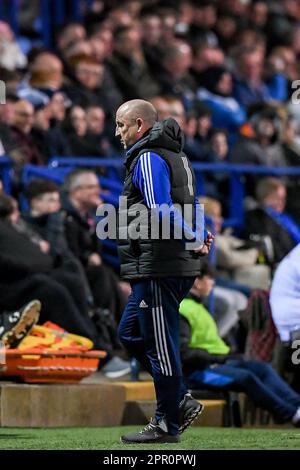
x,y
196,438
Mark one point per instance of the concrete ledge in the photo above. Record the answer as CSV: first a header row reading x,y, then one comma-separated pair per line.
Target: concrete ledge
x,y
135,391
99,404
23,405
140,405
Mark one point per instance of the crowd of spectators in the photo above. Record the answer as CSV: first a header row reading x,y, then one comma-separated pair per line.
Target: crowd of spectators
x,y
224,69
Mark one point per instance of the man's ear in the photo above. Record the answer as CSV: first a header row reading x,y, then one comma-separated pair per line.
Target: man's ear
x,y
139,122
197,282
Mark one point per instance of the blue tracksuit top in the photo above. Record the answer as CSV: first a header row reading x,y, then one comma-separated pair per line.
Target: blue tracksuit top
x,y
152,177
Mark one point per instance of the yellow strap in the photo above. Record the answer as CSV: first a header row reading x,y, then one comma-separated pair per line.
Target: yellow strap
x,y
49,339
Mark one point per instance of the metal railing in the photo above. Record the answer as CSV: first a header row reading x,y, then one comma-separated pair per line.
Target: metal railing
x,y
235,173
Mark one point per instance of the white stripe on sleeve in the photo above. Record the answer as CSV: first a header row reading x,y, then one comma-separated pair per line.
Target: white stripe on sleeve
x,y
147,175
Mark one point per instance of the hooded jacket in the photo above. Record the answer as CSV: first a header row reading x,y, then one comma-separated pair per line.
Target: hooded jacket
x,y
148,256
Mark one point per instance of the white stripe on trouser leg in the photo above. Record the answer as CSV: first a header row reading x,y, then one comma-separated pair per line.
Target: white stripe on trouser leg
x,y
161,314
161,352
155,328
161,331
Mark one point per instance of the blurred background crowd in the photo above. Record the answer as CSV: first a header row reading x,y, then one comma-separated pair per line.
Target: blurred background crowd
x,y
226,70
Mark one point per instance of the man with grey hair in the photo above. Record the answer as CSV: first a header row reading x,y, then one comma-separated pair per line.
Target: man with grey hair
x,y
82,198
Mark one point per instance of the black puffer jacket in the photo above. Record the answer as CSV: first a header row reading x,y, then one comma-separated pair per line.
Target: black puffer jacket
x,y
19,257
80,233
152,258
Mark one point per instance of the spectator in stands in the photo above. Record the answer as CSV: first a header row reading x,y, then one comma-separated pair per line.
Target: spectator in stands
x,y
11,56
121,15
49,106
57,141
59,103
205,55
26,273
270,219
199,125
40,273
83,190
216,92
258,14
281,64
217,152
46,71
151,29
161,104
68,35
235,259
129,66
285,296
8,109
169,18
247,39
295,38
203,21
80,48
24,150
207,361
291,141
175,79
169,106
102,33
225,29
249,88
75,130
230,297
291,149
262,146
46,220
6,119
96,124
91,83
41,123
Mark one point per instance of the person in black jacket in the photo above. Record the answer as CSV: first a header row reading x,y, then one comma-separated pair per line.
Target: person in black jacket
x,y
160,267
270,219
26,272
81,198
208,363
47,221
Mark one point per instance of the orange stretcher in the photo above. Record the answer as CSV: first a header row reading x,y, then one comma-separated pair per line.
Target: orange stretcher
x,y
51,355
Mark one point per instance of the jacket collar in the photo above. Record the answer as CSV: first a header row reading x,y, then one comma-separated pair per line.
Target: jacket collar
x,y
135,148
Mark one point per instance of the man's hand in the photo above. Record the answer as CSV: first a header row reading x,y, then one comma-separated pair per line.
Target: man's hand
x,y
205,248
95,259
44,246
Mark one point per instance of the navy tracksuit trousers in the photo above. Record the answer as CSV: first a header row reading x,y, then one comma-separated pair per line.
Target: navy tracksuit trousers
x,y
149,330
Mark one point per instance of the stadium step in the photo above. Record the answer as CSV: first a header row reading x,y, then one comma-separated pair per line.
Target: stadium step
x,y
135,391
23,405
140,405
140,411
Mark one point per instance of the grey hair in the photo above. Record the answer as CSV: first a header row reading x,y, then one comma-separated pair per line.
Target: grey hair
x,y
74,179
